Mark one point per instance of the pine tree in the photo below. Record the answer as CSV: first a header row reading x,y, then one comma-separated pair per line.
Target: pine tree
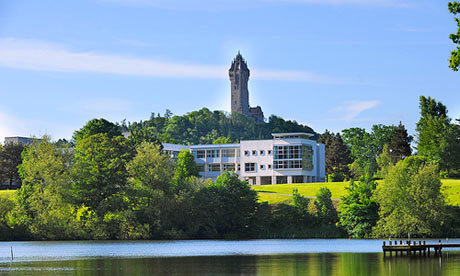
x,y
399,144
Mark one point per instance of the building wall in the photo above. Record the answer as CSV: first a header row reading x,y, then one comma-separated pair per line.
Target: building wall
x,y
22,140
253,160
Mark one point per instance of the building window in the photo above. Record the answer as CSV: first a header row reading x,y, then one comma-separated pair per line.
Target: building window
x,y
228,153
269,152
212,154
229,167
249,167
288,152
200,167
262,167
254,152
246,153
269,166
200,154
287,164
262,152
239,167
213,167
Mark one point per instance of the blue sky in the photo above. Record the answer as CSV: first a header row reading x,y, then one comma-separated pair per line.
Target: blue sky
x,y
330,64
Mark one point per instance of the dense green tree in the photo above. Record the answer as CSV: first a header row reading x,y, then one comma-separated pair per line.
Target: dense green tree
x,y
399,146
454,61
97,126
366,147
301,203
358,211
99,171
10,159
147,134
205,126
222,140
152,169
41,206
337,156
226,208
325,208
63,143
6,232
437,137
185,168
384,162
410,200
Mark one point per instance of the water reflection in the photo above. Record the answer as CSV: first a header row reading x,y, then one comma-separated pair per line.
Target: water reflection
x,y
322,264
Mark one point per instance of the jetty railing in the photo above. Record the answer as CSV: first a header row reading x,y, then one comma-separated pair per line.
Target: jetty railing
x,y
411,248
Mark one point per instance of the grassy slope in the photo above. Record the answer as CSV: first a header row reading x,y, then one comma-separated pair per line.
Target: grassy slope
x,y
8,194
450,187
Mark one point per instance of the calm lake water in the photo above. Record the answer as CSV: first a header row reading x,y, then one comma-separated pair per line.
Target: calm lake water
x,y
253,257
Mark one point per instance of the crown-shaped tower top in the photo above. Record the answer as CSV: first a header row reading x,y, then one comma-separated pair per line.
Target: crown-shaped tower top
x,y
239,63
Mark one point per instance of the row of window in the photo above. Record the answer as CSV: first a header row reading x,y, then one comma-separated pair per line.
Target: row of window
x,y
215,167
254,152
216,153
288,164
251,167
229,153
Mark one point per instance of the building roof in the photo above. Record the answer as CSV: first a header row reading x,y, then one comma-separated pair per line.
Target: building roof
x,y
305,135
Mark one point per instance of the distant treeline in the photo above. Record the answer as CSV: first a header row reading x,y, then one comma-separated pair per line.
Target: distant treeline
x,y
208,127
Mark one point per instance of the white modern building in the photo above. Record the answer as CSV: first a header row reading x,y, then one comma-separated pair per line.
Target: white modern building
x,y
287,158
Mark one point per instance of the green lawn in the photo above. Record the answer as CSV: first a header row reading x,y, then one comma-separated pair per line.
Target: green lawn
x,y
8,194
450,187
273,198
306,189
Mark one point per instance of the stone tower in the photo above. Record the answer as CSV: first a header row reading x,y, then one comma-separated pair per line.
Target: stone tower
x,y
239,76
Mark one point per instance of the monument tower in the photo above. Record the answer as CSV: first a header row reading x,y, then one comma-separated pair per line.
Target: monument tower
x,y
239,76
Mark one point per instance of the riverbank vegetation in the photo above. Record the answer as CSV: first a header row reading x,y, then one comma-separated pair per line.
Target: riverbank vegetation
x,y
111,187
102,185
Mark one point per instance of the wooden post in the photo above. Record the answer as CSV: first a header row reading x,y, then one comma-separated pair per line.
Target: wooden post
x,y
391,250
420,248
384,250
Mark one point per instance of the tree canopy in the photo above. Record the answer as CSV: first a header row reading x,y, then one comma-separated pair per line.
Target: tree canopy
x,y
10,159
454,61
97,126
358,211
337,156
410,200
437,136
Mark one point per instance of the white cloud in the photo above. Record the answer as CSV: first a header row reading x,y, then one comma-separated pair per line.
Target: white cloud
x,y
44,56
349,111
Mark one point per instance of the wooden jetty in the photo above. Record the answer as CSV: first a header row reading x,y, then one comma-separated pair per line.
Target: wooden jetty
x,y
411,248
